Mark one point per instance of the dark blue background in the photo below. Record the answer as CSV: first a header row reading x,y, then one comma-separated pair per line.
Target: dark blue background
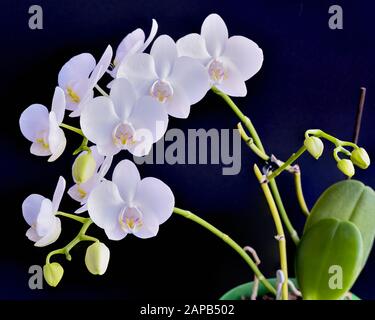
x,y
310,79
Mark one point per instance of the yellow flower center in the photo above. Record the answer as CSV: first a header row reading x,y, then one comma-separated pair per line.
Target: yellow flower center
x,y
73,95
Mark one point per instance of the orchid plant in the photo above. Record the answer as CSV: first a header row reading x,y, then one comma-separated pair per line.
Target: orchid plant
x,y
145,90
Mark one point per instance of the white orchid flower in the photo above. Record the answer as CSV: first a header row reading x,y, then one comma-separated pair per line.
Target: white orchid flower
x,y
133,43
123,122
40,214
79,76
229,61
175,82
128,204
80,192
42,128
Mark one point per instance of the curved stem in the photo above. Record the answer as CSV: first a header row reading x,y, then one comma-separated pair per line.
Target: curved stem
x,y
284,216
299,192
279,229
81,236
71,128
287,163
262,154
191,216
245,120
72,216
250,143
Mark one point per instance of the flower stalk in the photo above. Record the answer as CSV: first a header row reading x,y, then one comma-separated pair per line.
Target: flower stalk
x,y
191,216
279,229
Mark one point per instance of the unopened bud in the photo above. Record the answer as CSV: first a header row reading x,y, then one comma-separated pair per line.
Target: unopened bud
x,y
346,166
360,158
314,146
53,272
97,258
84,167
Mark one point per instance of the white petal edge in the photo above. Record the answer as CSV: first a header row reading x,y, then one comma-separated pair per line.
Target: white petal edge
x,y
164,52
58,104
215,33
98,121
126,177
58,194
245,55
105,204
154,197
33,120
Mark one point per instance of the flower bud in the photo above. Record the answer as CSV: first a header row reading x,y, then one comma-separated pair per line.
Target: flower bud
x,y
360,158
53,272
97,258
314,146
346,166
84,167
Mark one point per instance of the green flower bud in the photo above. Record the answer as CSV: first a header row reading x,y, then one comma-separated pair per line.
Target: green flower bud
x,y
314,146
84,167
53,272
97,258
347,167
360,158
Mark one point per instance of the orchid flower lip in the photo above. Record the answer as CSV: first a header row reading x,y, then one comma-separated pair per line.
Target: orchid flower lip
x,y
130,219
162,90
124,135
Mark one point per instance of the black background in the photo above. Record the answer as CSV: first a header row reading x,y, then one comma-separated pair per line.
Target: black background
x,y
310,79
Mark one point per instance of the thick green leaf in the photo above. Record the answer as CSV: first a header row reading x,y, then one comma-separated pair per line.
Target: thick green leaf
x,y
329,259
348,200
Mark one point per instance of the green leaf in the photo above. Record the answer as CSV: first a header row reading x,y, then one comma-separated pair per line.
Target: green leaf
x,y
329,258
348,200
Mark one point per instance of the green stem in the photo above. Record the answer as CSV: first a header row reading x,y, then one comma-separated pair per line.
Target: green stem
x,y
191,216
245,120
72,216
250,143
287,163
259,150
284,216
299,192
81,236
71,128
279,229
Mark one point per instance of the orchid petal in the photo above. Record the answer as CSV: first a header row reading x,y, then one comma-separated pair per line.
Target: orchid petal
x,y
215,33
33,120
164,52
233,83
150,227
56,138
154,30
154,198
126,177
151,116
105,204
192,77
139,69
194,46
245,55
58,104
58,194
132,41
123,97
31,207
178,105
116,233
52,235
77,68
98,121
45,218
